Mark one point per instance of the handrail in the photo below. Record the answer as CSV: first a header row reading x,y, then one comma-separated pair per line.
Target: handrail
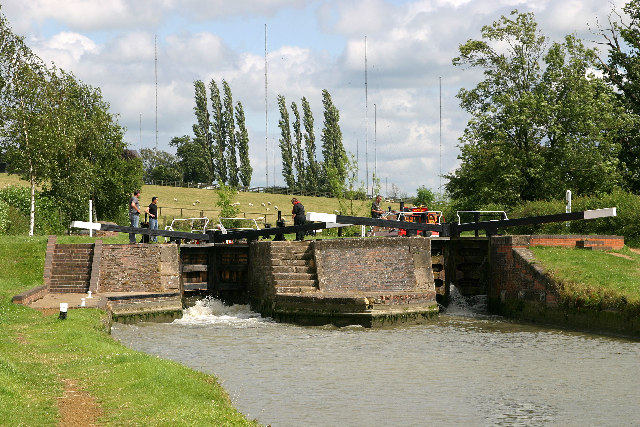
x,y
502,213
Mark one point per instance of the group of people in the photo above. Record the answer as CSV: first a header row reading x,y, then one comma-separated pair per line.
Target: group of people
x,y
297,214
134,215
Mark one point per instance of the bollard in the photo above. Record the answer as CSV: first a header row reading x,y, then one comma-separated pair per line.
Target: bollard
x,y
89,295
83,303
63,310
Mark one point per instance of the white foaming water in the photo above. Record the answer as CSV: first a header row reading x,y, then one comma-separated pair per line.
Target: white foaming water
x,y
465,306
209,311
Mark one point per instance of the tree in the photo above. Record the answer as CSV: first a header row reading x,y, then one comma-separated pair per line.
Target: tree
x,y
285,143
242,139
298,152
424,196
160,166
333,150
312,169
218,131
230,134
537,121
622,70
191,159
202,129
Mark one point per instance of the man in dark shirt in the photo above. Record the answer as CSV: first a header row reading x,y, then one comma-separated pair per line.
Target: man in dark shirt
x,y
376,212
298,216
152,210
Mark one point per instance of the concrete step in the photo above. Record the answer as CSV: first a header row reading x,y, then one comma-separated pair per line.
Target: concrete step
x,y
69,290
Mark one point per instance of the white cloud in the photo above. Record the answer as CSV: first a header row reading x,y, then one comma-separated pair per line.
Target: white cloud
x,y
410,45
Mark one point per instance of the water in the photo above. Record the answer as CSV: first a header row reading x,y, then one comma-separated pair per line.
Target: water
x,y
463,369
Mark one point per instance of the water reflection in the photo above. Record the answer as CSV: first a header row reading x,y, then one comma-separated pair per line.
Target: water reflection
x,y
468,369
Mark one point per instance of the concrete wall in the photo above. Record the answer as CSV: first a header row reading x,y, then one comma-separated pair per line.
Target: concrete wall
x,y
139,268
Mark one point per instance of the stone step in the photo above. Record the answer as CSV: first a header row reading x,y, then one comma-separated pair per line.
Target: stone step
x,y
293,276
295,283
291,255
296,290
293,262
69,290
294,269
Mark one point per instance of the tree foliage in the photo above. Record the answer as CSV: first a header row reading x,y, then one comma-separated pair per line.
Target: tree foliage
x,y
311,165
230,135
286,149
57,132
622,70
242,140
541,121
333,152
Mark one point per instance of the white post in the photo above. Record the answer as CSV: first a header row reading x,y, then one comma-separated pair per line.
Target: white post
x,y
90,215
568,209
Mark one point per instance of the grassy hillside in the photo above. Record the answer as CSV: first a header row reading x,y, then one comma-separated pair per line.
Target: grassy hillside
x,y
177,202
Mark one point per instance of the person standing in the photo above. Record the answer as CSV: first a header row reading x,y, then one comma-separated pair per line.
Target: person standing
x,y
134,214
152,210
298,216
376,212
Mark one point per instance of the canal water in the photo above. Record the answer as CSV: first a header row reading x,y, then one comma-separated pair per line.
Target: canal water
x,y
464,368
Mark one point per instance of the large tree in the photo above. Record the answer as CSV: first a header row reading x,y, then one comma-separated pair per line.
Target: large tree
x,y
298,151
333,152
540,123
202,129
622,69
311,165
218,130
242,139
285,143
230,135
191,159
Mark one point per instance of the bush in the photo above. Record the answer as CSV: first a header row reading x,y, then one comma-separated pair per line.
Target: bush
x,y
626,223
4,216
18,198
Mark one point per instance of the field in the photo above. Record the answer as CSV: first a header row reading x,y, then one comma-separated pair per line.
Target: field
x,y
178,202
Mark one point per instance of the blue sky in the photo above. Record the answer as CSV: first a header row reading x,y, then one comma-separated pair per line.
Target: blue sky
x,y
312,45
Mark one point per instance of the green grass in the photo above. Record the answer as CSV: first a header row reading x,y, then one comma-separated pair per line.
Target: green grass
x,y
594,278
37,352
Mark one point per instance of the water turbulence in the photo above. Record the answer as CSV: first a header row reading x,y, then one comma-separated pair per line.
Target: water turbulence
x,y
209,311
459,305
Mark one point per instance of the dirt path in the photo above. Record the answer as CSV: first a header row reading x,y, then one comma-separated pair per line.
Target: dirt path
x,y
77,407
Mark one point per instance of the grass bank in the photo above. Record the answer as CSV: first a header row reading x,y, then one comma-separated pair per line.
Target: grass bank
x,y
42,357
595,279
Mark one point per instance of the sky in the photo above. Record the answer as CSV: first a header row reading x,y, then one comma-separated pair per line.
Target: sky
x,y
403,121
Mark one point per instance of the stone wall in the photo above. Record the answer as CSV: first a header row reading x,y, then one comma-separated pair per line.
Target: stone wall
x,y
374,265
139,268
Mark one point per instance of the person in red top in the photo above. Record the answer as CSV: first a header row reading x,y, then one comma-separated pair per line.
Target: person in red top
x,y
298,216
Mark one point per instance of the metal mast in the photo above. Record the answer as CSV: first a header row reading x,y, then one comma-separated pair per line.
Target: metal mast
x,y
156,68
440,175
266,113
366,119
375,140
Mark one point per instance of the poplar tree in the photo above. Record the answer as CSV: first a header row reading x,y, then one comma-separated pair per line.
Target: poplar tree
x,y
230,134
311,167
334,154
202,129
298,151
285,143
218,132
242,139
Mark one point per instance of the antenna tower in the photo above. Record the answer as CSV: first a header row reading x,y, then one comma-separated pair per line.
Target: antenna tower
x,y
266,113
366,119
156,68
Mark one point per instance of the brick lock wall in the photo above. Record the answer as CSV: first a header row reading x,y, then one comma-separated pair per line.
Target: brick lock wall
x,y
139,268
374,265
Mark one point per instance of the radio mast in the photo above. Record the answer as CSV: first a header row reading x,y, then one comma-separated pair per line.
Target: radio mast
x,y
266,113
